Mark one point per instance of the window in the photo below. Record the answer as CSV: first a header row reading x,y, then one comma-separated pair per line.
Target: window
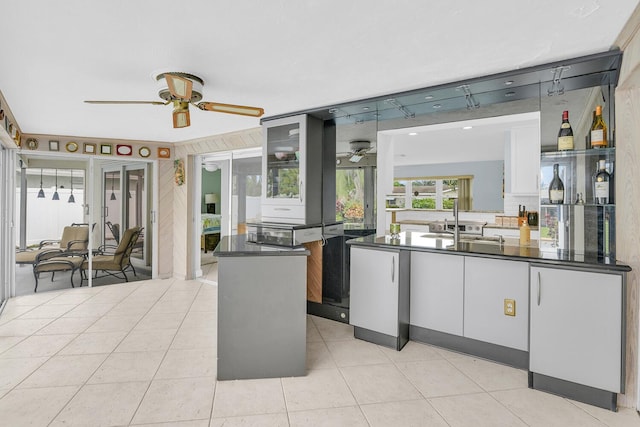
x,y
350,195
435,193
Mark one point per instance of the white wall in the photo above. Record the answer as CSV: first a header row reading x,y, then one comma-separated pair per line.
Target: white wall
x,y
47,218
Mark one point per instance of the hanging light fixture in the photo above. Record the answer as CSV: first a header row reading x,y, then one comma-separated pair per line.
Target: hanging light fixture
x,y
41,192
55,195
113,195
71,198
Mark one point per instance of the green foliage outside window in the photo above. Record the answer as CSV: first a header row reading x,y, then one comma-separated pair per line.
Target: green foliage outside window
x,y
423,204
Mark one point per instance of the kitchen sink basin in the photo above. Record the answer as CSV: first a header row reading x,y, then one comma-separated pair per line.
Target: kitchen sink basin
x,y
496,240
437,236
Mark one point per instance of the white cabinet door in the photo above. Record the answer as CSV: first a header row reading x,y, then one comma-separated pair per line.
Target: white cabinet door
x,y
524,160
374,290
488,282
437,291
576,326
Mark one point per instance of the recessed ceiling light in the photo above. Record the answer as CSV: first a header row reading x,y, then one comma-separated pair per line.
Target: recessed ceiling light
x,y
437,106
428,97
467,127
365,108
508,82
413,133
509,94
333,110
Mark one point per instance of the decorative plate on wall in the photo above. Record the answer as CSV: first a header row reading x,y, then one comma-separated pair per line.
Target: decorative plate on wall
x,y
124,150
164,153
89,148
72,147
106,149
32,144
144,152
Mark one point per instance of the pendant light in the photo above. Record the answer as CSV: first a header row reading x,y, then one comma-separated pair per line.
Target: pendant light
x,y
41,192
71,198
113,195
55,195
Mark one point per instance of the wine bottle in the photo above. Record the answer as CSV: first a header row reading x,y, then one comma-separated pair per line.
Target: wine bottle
x,y
601,184
599,130
565,135
556,187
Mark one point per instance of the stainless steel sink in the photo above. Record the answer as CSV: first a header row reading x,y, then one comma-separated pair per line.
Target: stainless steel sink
x,y
437,236
496,240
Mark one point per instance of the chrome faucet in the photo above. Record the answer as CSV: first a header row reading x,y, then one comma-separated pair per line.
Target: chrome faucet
x,y
456,229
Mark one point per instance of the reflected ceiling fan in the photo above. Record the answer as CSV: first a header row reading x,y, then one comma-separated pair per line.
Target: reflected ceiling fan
x,y
183,89
358,149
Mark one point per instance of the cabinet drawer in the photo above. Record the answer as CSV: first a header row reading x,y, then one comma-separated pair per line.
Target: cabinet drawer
x,y
279,212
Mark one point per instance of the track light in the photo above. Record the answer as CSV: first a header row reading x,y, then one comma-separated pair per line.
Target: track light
x,y
55,195
41,192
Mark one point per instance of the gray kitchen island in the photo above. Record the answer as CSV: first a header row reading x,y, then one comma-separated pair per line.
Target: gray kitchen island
x,y
262,313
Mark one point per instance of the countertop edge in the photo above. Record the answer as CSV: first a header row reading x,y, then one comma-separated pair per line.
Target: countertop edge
x,y
238,246
536,260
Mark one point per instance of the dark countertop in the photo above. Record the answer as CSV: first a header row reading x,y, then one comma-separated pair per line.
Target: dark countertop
x,y
237,245
413,241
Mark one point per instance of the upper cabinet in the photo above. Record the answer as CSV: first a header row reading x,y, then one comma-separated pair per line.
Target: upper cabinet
x,y
521,161
292,170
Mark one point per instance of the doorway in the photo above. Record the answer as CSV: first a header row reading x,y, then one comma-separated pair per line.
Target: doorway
x,y
238,176
125,200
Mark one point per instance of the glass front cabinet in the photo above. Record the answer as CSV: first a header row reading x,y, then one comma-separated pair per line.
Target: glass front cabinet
x,y
585,222
292,170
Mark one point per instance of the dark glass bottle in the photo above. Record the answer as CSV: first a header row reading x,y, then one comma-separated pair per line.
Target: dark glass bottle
x,y
565,135
556,187
601,186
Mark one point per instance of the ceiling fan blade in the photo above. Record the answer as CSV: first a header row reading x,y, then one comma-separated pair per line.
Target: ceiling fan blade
x,y
127,102
179,87
181,118
242,110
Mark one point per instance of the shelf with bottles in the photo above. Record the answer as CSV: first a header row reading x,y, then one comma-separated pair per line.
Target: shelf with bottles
x,y
589,152
577,172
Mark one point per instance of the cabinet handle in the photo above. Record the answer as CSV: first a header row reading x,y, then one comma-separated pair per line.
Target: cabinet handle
x,y
539,285
300,191
393,270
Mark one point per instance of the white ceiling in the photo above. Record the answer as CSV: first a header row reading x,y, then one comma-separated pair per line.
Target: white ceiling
x,y
281,55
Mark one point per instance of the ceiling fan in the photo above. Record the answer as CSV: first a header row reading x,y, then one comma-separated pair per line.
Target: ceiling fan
x,y
183,89
358,149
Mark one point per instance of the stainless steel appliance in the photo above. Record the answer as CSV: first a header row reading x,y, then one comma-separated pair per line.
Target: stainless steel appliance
x,y
464,227
280,234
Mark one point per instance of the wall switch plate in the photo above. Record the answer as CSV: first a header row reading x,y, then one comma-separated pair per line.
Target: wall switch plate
x,y
509,307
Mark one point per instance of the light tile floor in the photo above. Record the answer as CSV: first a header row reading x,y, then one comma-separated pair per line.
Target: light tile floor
x,y
143,353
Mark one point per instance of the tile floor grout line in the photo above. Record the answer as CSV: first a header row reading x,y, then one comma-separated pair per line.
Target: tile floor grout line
x,y
99,366
167,350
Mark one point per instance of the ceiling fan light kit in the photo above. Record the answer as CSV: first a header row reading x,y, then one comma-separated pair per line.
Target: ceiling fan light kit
x,y
183,89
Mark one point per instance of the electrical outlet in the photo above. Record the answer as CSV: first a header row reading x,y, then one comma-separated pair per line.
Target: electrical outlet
x,y
509,307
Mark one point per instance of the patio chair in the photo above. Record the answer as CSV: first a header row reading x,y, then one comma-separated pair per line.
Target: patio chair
x,y
74,238
117,262
55,260
115,230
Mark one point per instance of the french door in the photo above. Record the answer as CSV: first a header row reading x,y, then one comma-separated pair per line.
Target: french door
x,y
125,204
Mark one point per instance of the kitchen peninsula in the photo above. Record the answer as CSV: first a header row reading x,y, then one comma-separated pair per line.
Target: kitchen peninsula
x,y
261,310
558,314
